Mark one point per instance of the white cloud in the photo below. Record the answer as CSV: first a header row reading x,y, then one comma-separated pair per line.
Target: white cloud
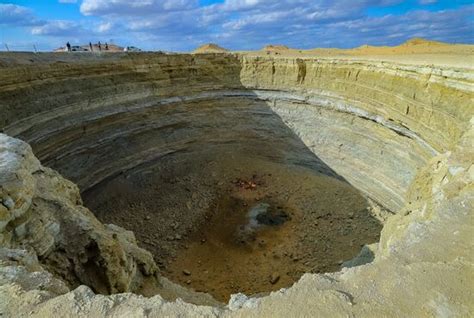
x,y
136,7
11,14
244,4
68,1
297,23
247,24
427,1
105,27
58,28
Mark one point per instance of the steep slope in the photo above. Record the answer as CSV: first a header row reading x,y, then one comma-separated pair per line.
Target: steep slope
x,y
210,48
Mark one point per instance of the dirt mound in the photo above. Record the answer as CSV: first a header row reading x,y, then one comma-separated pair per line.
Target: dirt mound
x,y
421,41
210,48
276,48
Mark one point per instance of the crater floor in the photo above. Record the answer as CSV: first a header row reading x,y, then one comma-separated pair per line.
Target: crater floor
x,y
195,215
189,204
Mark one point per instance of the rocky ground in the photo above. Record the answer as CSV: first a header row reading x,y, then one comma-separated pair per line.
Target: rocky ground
x,y
192,214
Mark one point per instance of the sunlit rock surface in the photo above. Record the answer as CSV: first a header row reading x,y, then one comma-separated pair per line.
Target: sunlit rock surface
x,y
400,133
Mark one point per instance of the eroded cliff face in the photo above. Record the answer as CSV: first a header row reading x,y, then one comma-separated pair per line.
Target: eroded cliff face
x,y
402,135
43,213
390,118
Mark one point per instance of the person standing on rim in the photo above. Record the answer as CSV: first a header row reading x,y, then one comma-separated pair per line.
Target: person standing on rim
x,y
68,45
100,47
90,46
106,46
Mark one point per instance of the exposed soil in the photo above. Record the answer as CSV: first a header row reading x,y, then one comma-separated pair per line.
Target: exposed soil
x,y
239,224
250,211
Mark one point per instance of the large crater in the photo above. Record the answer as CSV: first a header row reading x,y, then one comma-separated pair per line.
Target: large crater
x,y
213,163
238,173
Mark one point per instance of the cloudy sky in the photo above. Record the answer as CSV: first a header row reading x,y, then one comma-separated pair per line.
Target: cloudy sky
x,y
181,25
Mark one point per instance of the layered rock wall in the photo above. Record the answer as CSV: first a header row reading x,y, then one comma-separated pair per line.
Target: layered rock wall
x,y
78,113
401,134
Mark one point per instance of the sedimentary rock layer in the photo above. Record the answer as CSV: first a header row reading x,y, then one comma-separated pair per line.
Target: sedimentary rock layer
x,y
390,118
402,134
43,212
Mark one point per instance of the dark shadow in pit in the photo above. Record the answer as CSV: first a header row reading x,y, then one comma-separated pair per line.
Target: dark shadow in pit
x,y
185,176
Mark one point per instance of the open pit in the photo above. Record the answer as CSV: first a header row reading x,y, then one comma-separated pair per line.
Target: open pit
x,y
203,176
225,164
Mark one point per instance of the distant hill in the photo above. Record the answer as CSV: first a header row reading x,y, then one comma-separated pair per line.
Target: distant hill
x,y
421,41
210,48
413,46
277,47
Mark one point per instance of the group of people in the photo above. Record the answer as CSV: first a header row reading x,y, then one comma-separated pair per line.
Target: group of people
x,y
91,48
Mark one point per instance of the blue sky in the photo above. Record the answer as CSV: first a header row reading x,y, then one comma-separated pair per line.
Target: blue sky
x,y
182,25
